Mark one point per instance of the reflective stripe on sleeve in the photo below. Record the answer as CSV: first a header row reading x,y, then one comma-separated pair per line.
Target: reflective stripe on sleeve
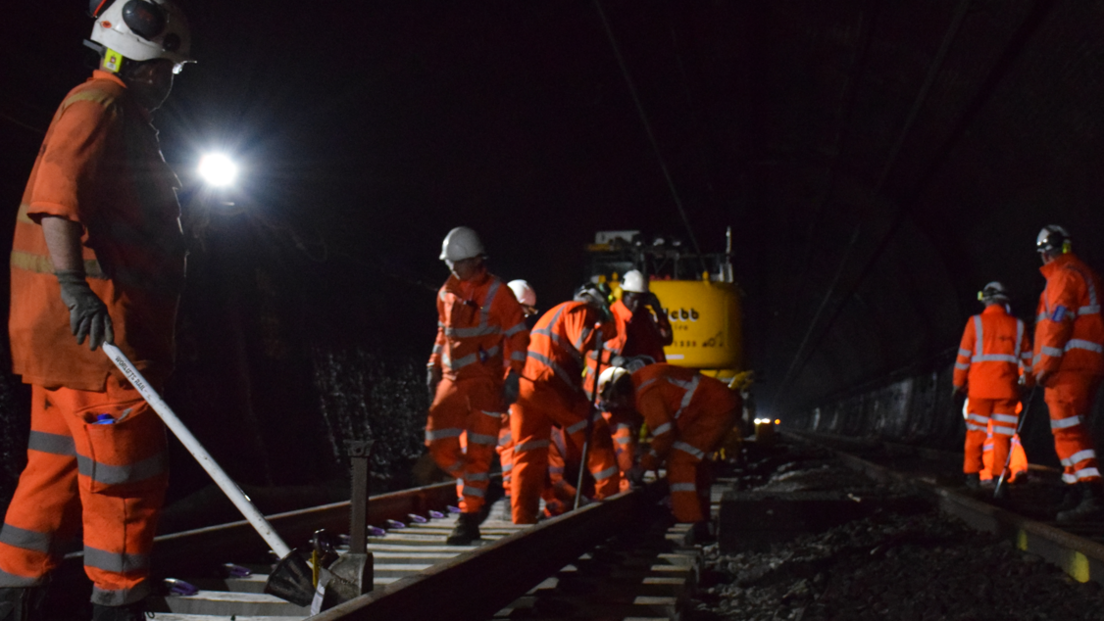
x,y
973,427
1083,344
441,434
686,448
480,438
979,334
962,366
624,440
1051,351
1065,423
577,427
1079,456
662,429
518,356
604,474
514,330
965,353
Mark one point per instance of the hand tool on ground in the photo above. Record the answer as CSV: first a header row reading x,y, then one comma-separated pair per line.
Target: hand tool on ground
x,y
291,579
591,414
1019,426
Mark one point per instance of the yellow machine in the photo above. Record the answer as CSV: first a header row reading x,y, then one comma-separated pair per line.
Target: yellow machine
x,y
698,296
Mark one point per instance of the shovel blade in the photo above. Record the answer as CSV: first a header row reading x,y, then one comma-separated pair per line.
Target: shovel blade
x,y
292,580
349,577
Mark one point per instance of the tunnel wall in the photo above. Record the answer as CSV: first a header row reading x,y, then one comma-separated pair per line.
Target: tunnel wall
x,y
916,408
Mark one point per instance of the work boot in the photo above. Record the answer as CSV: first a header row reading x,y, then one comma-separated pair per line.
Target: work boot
x,y
21,603
1090,508
129,612
466,531
973,481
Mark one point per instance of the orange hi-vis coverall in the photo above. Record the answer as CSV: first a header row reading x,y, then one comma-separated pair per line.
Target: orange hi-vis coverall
x,y
481,336
564,459
689,415
96,453
993,350
1069,345
552,393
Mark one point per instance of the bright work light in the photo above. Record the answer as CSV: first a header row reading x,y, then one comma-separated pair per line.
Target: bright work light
x,y
217,169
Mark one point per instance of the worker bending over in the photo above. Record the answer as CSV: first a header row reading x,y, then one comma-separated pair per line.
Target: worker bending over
x,y
993,352
472,374
552,393
98,254
688,414
1069,364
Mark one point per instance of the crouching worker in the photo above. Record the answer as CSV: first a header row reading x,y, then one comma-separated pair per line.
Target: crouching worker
x,y
688,414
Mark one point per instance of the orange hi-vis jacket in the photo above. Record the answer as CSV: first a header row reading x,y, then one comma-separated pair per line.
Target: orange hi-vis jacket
x,y
994,348
481,329
100,165
557,345
1069,330
681,407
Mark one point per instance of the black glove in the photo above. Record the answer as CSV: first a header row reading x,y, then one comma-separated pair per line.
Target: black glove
x,y
88,316
511,387
433,377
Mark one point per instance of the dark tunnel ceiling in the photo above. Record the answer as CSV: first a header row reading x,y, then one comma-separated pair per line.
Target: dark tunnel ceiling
x,y
806,125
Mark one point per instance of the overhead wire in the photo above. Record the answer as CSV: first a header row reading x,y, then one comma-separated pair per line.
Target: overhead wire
x,y
648,130
801,358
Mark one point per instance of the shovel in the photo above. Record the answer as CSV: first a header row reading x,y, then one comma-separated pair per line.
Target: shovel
x,y
291,579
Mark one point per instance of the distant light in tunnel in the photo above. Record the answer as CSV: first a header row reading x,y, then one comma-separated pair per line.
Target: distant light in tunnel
x,y
777,421
217,169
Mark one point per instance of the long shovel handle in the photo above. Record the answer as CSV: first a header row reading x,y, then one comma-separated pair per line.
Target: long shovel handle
x,y
590,420
231,489
1019,426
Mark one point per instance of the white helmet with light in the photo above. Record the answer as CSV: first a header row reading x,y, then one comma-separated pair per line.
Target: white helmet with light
x,y
634,282
141,30
523,292
610,377
461,243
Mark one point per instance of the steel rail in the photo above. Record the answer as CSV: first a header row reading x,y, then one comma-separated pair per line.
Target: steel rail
x,y
479,583
189,550
1081,558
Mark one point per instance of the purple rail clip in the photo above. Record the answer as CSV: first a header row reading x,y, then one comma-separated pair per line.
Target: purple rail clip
x,y
236,571
376,531
452,509
436,514
179,587
417,518
395,524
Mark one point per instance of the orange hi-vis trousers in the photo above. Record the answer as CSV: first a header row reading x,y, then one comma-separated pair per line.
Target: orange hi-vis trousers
x,y
473,406
1069,397
109,477
539,406
624,435
1017,465
688,475
980,413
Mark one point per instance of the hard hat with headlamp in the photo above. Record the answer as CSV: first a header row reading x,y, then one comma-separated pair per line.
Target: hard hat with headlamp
x,y
461,243
597,296
993,293
141,30
634,282
1053,240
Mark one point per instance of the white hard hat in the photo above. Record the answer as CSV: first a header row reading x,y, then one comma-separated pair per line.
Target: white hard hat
x,y
1053,239
142,29
609,376
461,243
993,292
634,282
523,292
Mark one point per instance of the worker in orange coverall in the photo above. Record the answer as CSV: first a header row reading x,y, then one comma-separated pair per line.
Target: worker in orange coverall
x,y
552,393
527,297
473,373
98,254
689,415
1069,364
993,352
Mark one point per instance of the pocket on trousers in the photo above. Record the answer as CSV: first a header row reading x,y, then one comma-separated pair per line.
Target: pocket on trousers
x,y
123,457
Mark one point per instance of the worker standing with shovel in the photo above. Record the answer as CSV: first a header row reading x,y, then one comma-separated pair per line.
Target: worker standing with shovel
x,y
98,257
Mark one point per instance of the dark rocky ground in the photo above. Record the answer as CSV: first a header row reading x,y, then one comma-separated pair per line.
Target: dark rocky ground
x,y
918,566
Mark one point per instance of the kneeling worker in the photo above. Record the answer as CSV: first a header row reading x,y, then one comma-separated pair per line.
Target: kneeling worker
x,y
689,415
